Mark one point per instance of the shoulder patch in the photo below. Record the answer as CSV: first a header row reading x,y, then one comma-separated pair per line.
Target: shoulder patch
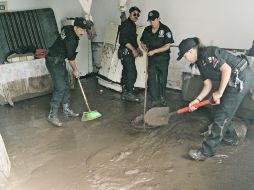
x,y
161,33
63,35
168,34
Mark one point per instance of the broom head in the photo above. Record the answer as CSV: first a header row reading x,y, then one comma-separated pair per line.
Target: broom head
x,y
91,115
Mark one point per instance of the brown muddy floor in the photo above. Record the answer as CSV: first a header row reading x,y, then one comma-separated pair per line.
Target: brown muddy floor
x,y
108,154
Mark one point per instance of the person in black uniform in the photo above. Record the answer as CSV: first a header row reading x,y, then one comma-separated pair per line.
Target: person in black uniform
x,y
235,80
156,40
64,47
127,52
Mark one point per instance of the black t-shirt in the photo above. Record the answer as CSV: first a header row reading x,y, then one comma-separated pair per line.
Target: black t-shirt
x,y
66,44
211,58
128,34
156,40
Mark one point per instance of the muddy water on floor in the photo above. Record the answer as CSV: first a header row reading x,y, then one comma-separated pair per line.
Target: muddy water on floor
x,y
108,154
149,161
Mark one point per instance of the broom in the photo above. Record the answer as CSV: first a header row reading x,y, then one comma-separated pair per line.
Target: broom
x,y
90,115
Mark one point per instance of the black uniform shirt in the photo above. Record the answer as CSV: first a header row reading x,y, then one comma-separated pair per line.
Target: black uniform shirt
x,y
211,58
128,34
156,40
66,44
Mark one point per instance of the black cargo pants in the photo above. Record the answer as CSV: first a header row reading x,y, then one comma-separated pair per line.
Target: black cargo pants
x,y
224,113
59,74
129,73
157,78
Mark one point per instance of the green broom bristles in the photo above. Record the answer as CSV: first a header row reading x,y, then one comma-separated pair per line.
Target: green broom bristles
x,y
87,116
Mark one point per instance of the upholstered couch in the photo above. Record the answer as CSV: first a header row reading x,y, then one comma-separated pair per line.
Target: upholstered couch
x,y
22,80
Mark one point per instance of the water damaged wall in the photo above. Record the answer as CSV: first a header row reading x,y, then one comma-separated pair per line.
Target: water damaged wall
x,y
215,22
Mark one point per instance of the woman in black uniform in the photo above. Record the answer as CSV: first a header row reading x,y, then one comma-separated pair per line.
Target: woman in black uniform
x,y
156,40
235,80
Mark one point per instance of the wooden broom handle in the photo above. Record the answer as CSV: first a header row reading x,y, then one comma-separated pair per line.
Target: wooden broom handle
x,y
82,90
146,77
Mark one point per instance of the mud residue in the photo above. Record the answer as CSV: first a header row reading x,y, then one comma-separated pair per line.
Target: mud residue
x,y
143,163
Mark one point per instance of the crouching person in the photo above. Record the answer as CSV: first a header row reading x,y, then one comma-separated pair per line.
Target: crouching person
x,y
64,47
235,80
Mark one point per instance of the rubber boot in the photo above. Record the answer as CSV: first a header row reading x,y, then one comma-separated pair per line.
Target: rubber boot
x,y
154,104
130,97
163,102
68,112
231,138
197,155
53,118
124,92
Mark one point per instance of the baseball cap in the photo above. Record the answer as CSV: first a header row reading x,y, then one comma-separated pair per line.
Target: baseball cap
x,y
186,45
152,15
134,9
82,23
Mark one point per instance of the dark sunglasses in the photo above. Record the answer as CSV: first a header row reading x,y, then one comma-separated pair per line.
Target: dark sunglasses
x,y
136,14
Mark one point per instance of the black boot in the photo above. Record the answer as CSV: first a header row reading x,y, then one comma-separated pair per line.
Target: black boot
x,y
124,93
231,141
153,104
197,155
231,138
163,102
53,118
68,112
130,97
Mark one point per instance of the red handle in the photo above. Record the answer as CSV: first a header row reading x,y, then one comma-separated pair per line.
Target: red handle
x,y
198,105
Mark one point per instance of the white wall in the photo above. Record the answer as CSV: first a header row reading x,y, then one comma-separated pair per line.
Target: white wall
x,y
103,12
62,8
225,23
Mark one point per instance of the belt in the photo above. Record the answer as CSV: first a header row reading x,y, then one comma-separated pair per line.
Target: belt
x,y
235,81
242,65
124,51
55,59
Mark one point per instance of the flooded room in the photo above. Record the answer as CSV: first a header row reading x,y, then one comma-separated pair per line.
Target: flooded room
x,y
126,95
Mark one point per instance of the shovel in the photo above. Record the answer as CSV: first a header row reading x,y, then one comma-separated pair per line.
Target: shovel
x,y
159,116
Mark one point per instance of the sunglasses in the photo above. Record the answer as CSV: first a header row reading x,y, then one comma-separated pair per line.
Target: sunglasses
x,y
136,14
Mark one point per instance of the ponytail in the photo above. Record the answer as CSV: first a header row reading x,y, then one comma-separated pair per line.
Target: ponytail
x,y
198,42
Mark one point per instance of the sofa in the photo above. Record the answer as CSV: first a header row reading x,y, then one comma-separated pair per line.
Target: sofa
x,y
26,79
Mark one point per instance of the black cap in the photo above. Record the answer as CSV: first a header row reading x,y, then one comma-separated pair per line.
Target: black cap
x,y
82,23
134,9
152,15
186,45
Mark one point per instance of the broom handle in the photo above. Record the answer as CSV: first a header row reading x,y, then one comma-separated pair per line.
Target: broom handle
x,y
82,90
198,105
146,76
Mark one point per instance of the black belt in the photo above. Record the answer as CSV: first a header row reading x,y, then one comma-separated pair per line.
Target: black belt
x,y
55,59
242,65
